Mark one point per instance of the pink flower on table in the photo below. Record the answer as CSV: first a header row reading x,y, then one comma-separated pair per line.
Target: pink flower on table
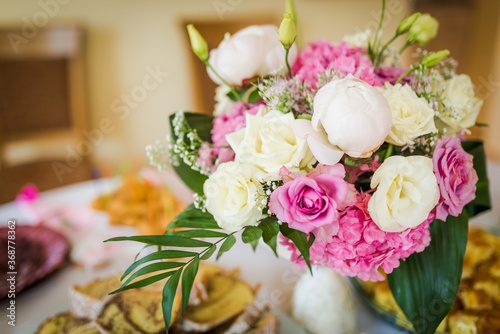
x,y
455,175
359,248
321,55
307,202
29,193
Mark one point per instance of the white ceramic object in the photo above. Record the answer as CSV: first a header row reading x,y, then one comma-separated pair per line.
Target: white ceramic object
x,y
323,304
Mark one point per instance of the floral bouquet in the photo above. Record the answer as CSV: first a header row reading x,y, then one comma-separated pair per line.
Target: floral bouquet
x,y
334,151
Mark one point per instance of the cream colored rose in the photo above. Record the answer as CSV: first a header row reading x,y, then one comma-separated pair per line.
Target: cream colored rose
x,y
233,196
268,142
406,193
461,106
412,116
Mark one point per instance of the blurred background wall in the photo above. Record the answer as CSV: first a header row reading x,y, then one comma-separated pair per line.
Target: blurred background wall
x,y
138,67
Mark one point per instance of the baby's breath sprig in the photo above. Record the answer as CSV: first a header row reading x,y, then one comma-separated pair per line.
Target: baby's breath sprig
x,y
159,155
187,144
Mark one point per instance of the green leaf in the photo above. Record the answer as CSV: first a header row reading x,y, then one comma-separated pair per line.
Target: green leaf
x,y
300,240
187,281
251,234
203,124
157,266
270,229
226,245
160,255
192,212
482,202
167,301
199,233
164,240
426,284
144,282
193,223
254,96
209,252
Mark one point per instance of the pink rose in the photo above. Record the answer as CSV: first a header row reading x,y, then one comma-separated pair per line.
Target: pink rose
x,y
455,175
311,201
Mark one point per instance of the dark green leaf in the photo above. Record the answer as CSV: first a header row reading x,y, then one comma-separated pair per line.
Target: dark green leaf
x,y
254,96
199,233
163,240
161,255
251,234
192,212
357,162
482,202
226,245
426,284
167,301
209,252
187,281
270,229
194,223
144,282
300,240
157,266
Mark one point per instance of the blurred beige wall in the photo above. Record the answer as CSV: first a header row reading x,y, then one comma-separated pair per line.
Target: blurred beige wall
x,y
129,39
137,67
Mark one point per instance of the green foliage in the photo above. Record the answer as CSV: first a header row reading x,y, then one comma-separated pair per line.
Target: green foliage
x,y
300,240
270,229
482,201
426,284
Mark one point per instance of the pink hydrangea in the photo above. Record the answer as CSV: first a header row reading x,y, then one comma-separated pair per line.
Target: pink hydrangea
x,y
307,202
455,175
226,123
320,56
360,248
392,74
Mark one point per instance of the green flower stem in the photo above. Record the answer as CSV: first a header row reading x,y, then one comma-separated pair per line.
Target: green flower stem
x,y
379,26
405,74
286,60
215,243
407,44
232,90
379,56
388,153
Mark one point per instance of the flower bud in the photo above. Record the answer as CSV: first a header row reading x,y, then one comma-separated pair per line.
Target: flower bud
x,y
434,58
406,24
198,43
287,32
423,30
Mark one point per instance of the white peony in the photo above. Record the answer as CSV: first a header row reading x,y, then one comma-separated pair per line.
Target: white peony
x,y
407,191
253,51
349,116
461,106
412,116
233,196
268,142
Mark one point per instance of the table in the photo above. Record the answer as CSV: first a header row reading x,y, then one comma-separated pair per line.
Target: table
x,y
49,296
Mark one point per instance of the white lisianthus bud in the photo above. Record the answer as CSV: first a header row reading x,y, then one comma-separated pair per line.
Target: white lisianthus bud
x,y
198,43
287,32
407,191
434,58
423,30
406,24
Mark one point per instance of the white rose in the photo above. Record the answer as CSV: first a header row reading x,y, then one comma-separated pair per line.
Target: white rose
x,y
253,51
350,116
233,196
412,116
461,105
406,193
268,142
